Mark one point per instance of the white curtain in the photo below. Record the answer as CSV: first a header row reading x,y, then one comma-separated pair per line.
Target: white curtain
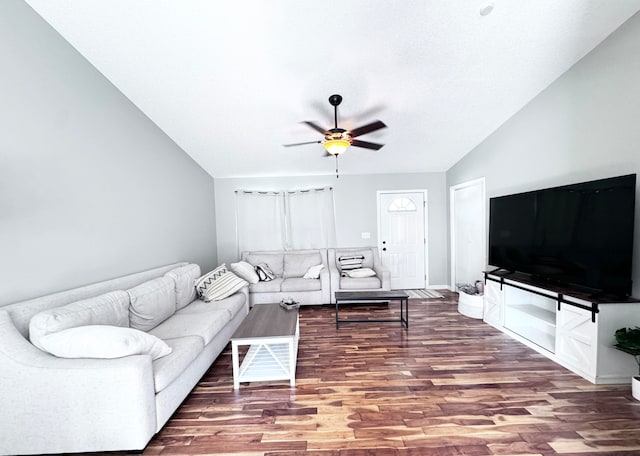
x,y
286,220
259,221
310,219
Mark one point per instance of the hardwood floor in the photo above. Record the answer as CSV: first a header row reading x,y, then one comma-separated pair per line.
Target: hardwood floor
x,y
448,385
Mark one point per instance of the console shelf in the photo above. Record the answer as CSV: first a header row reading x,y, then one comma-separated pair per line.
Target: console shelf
x,y
571,327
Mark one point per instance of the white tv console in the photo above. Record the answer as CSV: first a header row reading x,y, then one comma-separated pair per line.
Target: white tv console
x,y
568,326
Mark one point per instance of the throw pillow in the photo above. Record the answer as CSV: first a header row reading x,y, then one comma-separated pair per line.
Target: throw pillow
x,y
205,281
313,272
152,302
102,341
360,273
245,271
264,272
220,285
349,262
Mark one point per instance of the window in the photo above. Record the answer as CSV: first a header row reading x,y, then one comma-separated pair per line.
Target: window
x,y
402,205
285,220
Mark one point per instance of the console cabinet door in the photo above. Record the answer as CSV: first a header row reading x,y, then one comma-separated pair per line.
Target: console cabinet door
x,y
577,339
493,304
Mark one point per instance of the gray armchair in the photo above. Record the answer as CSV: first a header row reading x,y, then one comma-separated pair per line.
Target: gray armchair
x,y
381,281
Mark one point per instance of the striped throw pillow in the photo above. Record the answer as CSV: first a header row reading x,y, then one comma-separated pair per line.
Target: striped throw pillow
x,y
349,262
218,284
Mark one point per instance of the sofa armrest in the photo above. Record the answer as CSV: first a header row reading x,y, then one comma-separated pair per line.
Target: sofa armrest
x,y
381,271
325,283
384,275
334,274
57,405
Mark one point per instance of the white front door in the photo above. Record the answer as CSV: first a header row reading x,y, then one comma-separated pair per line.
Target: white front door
x,y
402,239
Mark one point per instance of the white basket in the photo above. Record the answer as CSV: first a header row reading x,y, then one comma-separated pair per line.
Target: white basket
x,y
471,306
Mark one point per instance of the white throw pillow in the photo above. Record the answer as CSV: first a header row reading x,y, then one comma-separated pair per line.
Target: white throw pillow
x,y
245,271
102,341
314,272
152,302
219,284
360,273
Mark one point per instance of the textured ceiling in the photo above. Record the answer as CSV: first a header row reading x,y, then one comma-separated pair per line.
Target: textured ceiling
x,y
230,81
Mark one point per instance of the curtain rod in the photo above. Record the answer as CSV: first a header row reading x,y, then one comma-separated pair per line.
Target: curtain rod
x,y
275,192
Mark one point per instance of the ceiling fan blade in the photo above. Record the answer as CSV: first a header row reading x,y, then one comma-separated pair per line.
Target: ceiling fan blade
x,y
316,127
373,126
302,143
366,144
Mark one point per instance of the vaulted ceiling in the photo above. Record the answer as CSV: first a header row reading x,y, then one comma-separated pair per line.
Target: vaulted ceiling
x,y
230,81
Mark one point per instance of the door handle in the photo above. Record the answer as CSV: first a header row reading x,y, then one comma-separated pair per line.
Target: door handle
x,y
384,249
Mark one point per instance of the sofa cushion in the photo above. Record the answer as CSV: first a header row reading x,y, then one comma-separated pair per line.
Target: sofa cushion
x,y
360,273
274,260
300,284
203,324
233,304
107,309
184,279
102,341
347,283
184,351
297,264
152,302
266,287
367,261
245,271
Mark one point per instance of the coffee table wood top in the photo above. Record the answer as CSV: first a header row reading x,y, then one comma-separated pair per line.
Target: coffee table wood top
x,y
374,294
267,320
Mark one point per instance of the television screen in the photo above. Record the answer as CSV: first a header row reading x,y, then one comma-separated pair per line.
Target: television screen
x,y
580,234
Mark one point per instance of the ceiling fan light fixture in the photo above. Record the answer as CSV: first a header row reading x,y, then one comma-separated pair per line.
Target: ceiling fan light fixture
x,y
336,146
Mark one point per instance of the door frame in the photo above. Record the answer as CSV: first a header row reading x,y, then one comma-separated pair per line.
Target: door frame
x,y
425,212
452,224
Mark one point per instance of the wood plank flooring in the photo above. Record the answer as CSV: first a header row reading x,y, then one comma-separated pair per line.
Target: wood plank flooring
x,y
449,385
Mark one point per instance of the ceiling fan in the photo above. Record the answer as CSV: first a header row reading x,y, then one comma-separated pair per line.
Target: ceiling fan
x,y
337,140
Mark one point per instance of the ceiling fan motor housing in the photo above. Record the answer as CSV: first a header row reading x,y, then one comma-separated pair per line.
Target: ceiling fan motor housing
x,y
335,100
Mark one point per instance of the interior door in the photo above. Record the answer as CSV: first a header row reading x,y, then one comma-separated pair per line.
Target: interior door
x,y
468,240
402,239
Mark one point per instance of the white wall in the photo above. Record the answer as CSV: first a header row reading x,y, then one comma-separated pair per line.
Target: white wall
x,y
584,126
90,188
355,207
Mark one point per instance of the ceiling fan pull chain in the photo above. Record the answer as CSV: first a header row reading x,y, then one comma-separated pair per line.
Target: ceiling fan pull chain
x,y
336,166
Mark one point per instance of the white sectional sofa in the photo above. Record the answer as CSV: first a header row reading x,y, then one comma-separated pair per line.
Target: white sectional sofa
x,y
289,268
52,404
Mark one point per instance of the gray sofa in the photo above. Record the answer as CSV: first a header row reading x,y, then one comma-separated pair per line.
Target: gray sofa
x,y
371,260
289,268
52,404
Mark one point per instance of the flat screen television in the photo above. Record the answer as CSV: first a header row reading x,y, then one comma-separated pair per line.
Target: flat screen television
x,y
578,235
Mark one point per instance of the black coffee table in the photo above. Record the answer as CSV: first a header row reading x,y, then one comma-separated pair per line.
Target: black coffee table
x,y
379,295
